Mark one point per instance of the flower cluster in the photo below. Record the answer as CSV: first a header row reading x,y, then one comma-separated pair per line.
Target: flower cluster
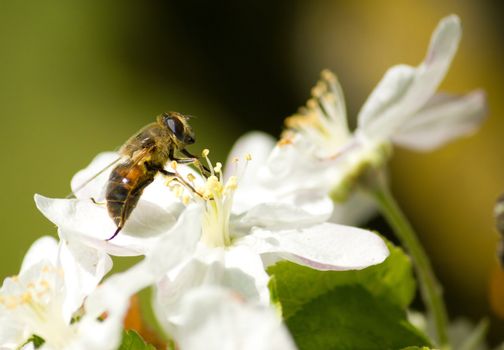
x,y
209,238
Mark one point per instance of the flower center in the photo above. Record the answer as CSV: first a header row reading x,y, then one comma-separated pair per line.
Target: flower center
x,y
216,196
35,299
322,122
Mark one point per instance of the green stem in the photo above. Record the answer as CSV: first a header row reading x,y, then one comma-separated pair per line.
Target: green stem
x,y
429,287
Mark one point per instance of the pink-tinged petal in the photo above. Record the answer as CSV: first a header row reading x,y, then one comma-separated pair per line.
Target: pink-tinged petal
x,y
215,318
442,119
404,89
44,248
322,247
91,223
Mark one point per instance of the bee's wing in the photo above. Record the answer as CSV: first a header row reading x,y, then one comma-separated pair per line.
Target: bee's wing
x,y
85,183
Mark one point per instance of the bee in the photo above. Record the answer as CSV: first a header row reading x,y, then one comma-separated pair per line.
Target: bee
x,y
142,157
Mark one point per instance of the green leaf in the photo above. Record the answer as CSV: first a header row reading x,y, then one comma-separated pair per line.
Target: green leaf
x,y
349,309
133,341
350,317
391,281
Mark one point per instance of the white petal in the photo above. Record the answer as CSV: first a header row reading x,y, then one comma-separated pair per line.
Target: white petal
x,y
291,167
171,249
245,274
404,89
83,267
215,318
91,223
322,247
300,209
98,172
259,146
441,120
44,248
238,268
12,333
355,211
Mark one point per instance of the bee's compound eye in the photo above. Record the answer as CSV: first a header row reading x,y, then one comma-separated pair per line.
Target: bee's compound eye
x,y
176,127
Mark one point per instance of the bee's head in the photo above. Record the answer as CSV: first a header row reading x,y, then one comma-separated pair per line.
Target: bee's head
x,y
178,125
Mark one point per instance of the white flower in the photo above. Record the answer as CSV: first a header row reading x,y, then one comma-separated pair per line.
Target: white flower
x,y
219,319
403,109
88,222
237,244
50,289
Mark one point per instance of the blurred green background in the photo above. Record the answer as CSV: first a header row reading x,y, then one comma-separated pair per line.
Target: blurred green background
x,y
79,77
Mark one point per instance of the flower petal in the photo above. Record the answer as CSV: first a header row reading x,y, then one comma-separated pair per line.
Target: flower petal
x,y
44,248
300,209
97,173
84,267
322,247
355,211
238,268
259,146
215,318
12,332
442,119
91,223
404,89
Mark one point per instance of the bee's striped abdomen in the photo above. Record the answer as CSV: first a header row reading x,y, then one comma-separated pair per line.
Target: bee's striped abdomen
x,y
125,185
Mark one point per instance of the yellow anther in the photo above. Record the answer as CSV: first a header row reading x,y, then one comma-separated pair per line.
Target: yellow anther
x,y
15,278
26,297
44,284
205,152
327,75
318,89
235,160
312,104
186,199
46,269
285,140
173,165
191,177
248,157
218,167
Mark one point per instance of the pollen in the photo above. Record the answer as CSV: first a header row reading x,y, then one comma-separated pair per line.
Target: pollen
x,y
191,177
329,76
173,165
218,167
248,157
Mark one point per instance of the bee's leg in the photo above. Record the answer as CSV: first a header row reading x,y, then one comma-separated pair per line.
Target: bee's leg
x,y
119,228
179,179
194,159
96,202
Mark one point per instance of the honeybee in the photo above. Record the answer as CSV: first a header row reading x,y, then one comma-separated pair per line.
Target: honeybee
x,y
142,157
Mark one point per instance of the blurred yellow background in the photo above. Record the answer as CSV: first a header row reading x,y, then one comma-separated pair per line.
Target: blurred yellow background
x,y
78,78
